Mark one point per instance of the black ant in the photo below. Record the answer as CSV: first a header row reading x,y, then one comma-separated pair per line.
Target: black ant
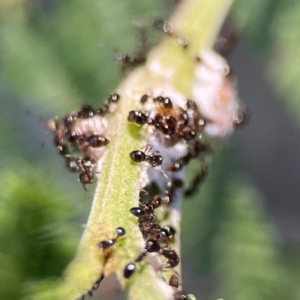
x,y
187,133
179,164
102,111
70,120
86,112
87,175
172,258
146,215
113,98
145,208
97,140
198,148
154,159
165,124
130,268
176,184
169,232
164,101
130,61
105,245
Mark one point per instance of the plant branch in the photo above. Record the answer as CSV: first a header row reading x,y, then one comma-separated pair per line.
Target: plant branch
x,y
119,179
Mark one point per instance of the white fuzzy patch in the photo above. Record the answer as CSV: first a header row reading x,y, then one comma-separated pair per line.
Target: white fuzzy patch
x,y
170,154
214,94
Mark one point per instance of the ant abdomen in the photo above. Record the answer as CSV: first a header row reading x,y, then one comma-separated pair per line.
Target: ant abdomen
x,y
129,270
137,156
97,140
137,117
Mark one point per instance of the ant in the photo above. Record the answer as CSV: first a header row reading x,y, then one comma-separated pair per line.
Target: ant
x,y
146,208
88,173
199,147
146,213
172,258
164,101
165,124
180,163
86,112
105,245
138,117
113,98
73,163
154,159
130,61
176,184
130,268
97,140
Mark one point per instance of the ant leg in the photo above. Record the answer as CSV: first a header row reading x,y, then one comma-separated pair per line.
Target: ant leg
x,y
196,181
97,283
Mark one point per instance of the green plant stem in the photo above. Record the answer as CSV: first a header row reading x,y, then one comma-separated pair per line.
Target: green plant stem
x,y
118,188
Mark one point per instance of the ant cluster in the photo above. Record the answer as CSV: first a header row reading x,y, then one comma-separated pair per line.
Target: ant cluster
x,y
170,125
157,238
80,138
176,124
174,129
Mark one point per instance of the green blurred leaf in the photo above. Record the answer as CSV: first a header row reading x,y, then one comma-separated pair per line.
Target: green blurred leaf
x,y
272,28
36,240
246,256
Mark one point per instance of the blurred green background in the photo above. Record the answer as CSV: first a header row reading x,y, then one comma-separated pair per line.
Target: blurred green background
x,y
240,233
